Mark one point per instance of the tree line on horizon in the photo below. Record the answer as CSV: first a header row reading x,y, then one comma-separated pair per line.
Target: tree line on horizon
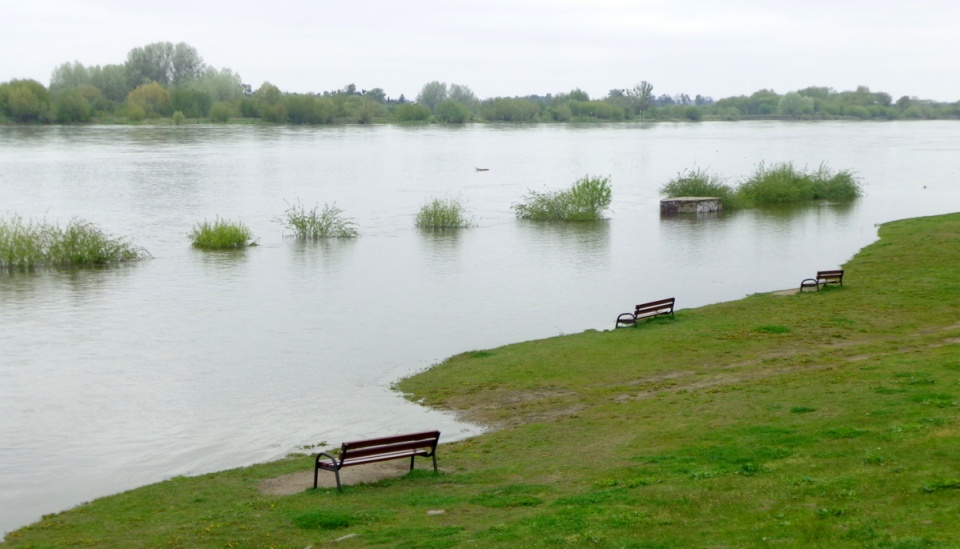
x,y
171,81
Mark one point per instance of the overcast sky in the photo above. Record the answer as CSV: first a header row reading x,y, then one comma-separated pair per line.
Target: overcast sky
x,y
513,47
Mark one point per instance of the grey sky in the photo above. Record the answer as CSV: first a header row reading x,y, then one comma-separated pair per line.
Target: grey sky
x,y
513,47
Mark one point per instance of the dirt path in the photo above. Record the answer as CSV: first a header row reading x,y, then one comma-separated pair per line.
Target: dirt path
x,y
293,483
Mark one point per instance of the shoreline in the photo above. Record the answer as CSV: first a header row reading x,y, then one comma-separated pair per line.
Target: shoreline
x,y
515,385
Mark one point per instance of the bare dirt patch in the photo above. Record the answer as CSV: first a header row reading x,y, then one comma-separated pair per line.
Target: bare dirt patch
x,y
294,483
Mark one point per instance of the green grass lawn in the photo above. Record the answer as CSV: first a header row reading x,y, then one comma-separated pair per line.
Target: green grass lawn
x,y
812,420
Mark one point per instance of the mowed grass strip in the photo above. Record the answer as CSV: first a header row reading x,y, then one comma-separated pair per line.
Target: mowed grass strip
x,y
819,419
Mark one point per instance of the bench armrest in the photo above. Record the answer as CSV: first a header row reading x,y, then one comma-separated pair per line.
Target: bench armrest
x,y
333,460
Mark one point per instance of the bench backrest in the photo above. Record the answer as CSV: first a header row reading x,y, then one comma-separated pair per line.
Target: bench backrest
x,y
654,306
386,445
830,275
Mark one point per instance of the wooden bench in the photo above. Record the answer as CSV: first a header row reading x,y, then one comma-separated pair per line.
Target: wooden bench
x,y
647,310
823,277
373,450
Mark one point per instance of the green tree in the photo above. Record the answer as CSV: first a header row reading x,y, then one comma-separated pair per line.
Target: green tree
x,y
411,112
763,102
513,109
221,111
186,65
111,80
693,113
191,102
367,110
71,106
269,103
856,111
463,95
152,98
641,94
165,63
377,95
220,85
432,94
904,103
69,75
24,100
307,109
452,112
794,104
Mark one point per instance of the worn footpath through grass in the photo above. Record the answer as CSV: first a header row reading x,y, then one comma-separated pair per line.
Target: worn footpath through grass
x,y
819,419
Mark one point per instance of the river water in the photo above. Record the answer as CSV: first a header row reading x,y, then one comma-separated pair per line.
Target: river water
x,y
198,361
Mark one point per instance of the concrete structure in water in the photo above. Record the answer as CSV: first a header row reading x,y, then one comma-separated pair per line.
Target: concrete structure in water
x,y
691,204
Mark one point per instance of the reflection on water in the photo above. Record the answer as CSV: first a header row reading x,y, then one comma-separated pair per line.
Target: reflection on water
x,y
553,244
210,360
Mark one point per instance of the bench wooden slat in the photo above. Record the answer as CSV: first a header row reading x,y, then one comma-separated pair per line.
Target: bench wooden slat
x,y
360,460
352,452
830,277
425,436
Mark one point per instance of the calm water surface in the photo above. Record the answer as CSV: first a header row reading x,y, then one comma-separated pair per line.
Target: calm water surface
x,y
192,362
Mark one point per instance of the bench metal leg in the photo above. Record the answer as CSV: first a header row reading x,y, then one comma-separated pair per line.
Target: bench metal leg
x,y
316,473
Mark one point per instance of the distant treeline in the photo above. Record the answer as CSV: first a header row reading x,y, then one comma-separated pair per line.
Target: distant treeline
x,y
171,81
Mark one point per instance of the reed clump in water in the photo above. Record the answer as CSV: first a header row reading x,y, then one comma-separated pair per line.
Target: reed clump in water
x,y
315,224
778,184
586,200
443,213
700,182
27,244
221,234
783,183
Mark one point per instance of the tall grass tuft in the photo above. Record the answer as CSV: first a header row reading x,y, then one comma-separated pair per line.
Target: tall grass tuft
x,y
700,183
221,235
442,213
782,183
779,184
839,185
315,224
26,245
586,200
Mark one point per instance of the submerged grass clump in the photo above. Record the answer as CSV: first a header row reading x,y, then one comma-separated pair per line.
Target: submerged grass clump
x,y
778,184
783,183
26,245
700,183
586,200
315,223
442,213
221,235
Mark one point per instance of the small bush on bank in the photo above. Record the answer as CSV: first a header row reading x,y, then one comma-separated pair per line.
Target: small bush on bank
x,y
25,245
315,224
586,200
442,213
221,235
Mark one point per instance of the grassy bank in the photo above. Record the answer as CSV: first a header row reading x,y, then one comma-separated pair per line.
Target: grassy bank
x,y
820,419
